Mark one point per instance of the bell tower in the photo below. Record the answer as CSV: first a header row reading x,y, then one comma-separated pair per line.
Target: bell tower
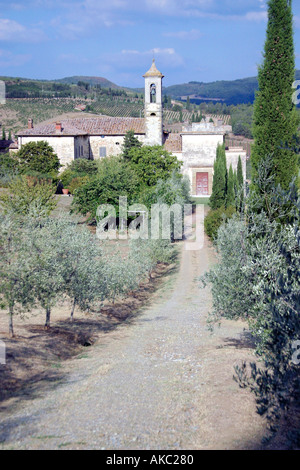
x,y
153,106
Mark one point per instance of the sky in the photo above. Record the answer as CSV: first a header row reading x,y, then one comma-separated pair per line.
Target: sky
x,y
191,40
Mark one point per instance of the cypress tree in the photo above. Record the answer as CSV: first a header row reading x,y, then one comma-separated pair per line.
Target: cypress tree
x,y
130,141
240,185
230,195
275,116
240,177
219,190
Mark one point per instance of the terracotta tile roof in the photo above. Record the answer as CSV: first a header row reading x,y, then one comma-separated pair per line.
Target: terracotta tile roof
x,y
173,142
50,130
105,125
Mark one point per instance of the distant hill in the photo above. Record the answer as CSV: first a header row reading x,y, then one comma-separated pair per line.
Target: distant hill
x,y
229,92
103,82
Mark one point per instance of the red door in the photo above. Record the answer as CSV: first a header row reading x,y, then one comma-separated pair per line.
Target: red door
x,y
202,184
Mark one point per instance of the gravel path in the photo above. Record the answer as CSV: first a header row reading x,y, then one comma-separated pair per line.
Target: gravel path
x,y
161,382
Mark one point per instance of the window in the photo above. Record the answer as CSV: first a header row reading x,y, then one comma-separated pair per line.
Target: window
x,y
102,152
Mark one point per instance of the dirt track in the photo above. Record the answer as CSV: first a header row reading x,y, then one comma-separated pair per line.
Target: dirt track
x,y
160,382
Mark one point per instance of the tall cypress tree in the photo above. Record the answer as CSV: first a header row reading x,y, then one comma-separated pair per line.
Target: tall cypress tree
x,y
240,177
219,190
275,115
130,141
230,196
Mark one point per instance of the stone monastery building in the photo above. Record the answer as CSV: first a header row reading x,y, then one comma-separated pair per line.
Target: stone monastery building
x,y
103,136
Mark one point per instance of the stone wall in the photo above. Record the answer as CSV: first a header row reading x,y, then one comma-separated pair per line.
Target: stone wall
x,y
111,145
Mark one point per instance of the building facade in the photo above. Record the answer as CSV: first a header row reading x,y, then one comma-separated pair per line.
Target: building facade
x,y
103,136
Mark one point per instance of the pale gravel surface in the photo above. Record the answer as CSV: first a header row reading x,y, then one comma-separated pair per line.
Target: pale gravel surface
x,y
161,382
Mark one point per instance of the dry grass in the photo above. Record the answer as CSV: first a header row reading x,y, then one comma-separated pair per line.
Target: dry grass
x,y
35,355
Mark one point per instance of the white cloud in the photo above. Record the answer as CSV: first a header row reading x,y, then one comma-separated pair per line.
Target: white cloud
x,y
7,59
127,59
256,16
12,31
192,35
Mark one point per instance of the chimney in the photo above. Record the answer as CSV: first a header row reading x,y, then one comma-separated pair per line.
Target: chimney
x,y
30,123
58,127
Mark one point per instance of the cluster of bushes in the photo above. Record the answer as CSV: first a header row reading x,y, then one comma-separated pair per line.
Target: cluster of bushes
x,y
45,260
227,193
78,173
257,279
35,159
143,174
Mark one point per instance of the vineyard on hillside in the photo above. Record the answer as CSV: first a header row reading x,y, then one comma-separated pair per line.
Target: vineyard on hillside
x,y
15,113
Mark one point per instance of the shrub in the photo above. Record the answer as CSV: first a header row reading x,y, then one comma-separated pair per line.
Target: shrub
x,y
115,178
215,218
152,163
257,279
38,157
77,183
78,169
8,168
26,196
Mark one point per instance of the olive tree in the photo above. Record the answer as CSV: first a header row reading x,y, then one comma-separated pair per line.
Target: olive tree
x,y
16,269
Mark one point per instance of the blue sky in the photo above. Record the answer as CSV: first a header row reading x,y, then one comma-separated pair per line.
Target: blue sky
x,y
201,40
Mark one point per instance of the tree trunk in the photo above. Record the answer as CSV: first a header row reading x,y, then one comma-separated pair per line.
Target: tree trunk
x,y
73,310
48,313
11,325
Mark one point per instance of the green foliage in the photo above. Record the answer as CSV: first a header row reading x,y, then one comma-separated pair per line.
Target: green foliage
x,y
230,194
147,253
240,177
215,218
15,269
25,196
219,189
77,182
174,190
115,178
242,120
43,261
275,116
257,279
153,163
79,168
83,167
8,168
130,141
38,157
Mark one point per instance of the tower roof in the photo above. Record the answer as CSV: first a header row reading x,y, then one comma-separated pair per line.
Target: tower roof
x,y
153,72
